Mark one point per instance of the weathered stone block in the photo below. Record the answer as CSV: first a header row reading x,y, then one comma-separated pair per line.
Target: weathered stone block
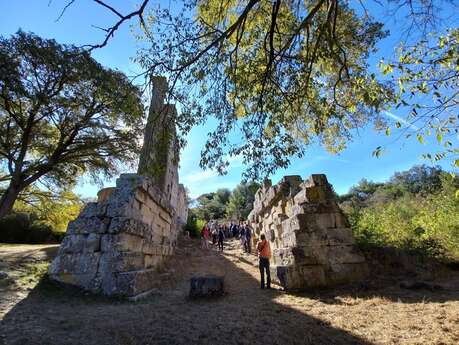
x,y
88,225
345,273
153,261
128,225
121,262
123,242
78,263
210,286
104,194
313,276
343,254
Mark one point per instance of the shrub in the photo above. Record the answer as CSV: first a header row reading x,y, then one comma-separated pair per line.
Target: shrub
x,y
25,228
194,224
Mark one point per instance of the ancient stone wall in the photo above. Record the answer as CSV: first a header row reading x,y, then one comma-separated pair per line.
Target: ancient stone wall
x,y
118,244
311,242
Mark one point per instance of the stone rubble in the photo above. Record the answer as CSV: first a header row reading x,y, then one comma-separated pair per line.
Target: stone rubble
x,y
311,242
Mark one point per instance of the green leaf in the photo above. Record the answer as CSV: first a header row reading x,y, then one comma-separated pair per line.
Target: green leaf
x,y
420,138
439,138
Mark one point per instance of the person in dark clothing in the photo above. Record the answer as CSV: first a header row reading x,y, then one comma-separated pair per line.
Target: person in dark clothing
x,y
214,236
248,239
264,252
242,236
221,236
235,231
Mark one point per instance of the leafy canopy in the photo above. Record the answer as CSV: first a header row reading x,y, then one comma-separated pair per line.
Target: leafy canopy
x,y
276,75
61,115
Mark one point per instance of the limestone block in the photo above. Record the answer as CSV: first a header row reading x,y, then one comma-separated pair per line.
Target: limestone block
x,y
128,225
104,194
92,243
77,263
325,220
88,225
325,237
291,184
346,273
132,283
283,256
120,208
343,254
121,262
93,209
206,286
80,243
313,276
149,248
317,180
304,222
153,261
341,220
72,244
339,236
141,195
307,256
122,242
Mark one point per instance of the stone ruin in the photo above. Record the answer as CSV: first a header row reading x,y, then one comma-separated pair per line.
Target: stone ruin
x,y
311,242
118,245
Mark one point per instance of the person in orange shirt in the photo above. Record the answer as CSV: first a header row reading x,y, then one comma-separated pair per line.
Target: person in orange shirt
x,y
264,252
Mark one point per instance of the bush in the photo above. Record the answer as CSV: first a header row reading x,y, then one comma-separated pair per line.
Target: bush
x,y
25,228
425,225
194,225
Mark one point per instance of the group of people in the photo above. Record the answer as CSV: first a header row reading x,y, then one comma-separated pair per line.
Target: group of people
x,y
242,231
217,233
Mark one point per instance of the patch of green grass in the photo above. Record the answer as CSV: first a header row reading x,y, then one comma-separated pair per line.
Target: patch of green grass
x,y
33,273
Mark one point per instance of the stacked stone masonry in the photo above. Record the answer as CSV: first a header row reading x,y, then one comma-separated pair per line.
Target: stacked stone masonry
x,y
311,242
119,244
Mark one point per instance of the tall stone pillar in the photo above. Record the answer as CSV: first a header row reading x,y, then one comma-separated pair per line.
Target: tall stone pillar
x,y
159,152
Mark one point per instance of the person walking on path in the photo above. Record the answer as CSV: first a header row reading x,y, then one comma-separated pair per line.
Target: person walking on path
x,y
205,237
214,236
248,239
221,236
242,236
264,252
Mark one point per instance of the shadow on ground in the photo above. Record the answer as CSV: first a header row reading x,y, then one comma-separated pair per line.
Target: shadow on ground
x,y
52,314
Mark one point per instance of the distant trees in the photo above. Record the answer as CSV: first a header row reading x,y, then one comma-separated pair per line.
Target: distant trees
x,y
241,201
415,210
212,205
224,203
61,115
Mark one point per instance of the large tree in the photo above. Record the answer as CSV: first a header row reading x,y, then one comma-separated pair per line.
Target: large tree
x,y
62,114
280,74
283,74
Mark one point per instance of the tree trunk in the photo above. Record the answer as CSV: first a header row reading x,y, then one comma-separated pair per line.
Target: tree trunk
x,y
8,199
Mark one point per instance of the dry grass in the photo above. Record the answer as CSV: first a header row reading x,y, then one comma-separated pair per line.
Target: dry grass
x,y
381,314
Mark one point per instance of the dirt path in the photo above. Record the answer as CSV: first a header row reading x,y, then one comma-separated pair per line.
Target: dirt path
x,y
50,314
23,266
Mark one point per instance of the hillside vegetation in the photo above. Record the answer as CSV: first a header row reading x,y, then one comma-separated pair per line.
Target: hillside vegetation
x,y
415,210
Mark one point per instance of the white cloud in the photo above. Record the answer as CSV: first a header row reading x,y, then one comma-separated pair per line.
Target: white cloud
x,y
399,119
199,176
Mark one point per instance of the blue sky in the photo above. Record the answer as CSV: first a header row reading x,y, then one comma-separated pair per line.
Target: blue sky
x,y
343,170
